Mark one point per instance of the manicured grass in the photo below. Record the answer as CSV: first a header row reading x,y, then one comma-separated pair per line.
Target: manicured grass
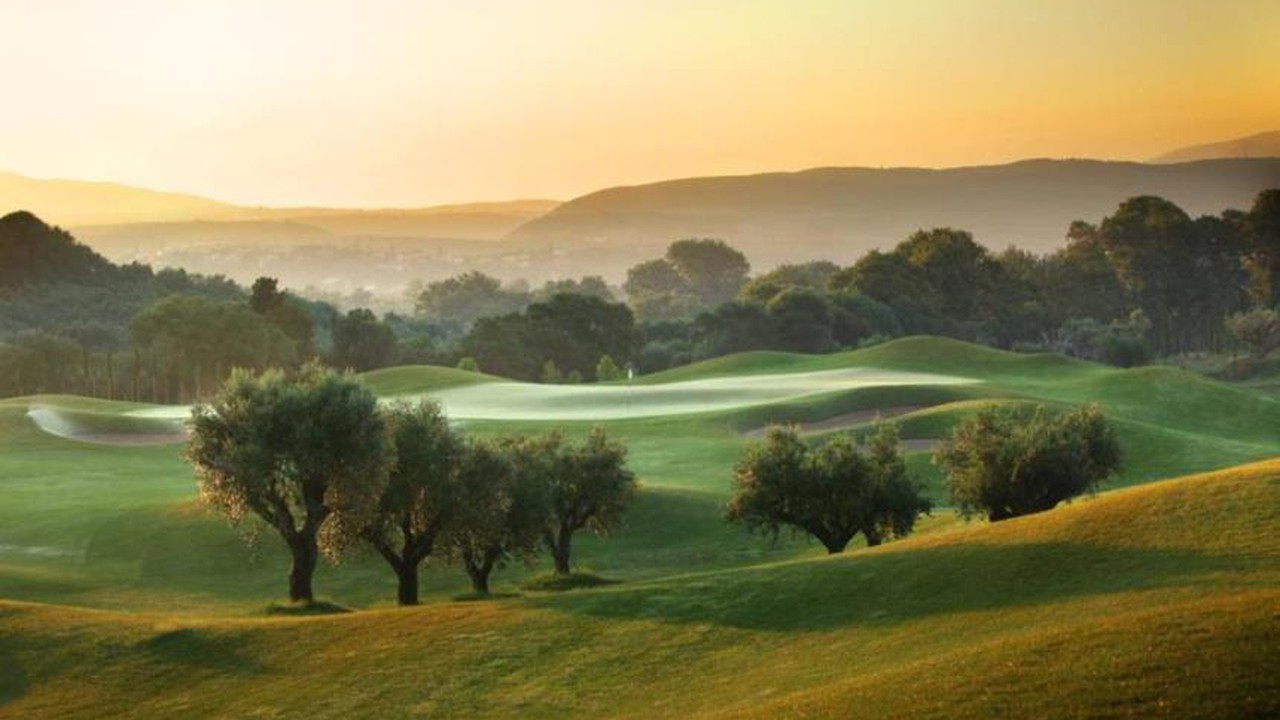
x,y
121,596
1156,601
118,527
421,378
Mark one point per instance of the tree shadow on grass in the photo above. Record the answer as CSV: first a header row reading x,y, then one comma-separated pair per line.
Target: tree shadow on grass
x,y
13,679
891,587
202,649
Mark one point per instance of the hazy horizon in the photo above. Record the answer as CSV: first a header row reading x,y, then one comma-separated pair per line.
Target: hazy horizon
x,y
386,105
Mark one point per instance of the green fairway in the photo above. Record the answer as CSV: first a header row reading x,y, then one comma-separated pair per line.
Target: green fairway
x,y
111,520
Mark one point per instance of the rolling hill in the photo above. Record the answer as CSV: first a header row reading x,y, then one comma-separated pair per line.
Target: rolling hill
x,y
1147,603
78,202
840,213
1262,145
1156,598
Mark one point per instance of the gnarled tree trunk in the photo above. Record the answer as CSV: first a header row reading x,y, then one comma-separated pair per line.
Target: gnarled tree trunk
x,y
560,544
305,555
407,594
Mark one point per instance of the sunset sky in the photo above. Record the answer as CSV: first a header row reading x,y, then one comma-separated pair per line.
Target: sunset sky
x,y
381,103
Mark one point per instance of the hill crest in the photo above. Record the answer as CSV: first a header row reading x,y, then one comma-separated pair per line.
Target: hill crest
x,y
1264,144
73,203
840,213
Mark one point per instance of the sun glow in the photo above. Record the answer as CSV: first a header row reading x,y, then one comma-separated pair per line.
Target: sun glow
x,y
384,102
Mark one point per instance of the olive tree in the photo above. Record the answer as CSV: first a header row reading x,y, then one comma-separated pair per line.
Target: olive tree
x,y
499,516
896,496
586,485
831,492
421,494
306,453
1007,461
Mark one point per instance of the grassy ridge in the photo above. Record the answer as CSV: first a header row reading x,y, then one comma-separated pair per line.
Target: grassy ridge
x,y
1156,601
410,379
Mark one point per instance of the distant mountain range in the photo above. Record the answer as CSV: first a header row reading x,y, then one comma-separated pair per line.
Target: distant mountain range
x,y
830,213
1265,144
77,203
840,213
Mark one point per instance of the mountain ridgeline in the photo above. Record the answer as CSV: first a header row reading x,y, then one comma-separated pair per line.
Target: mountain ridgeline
x,y
1261,145
841,213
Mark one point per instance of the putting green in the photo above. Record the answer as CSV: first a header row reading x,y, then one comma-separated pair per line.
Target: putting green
x,y
522,401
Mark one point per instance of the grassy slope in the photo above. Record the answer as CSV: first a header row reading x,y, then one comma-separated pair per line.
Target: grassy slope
x,y
1157,601
408,379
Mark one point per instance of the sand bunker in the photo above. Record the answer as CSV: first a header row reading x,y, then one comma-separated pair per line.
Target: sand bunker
x,y
506,400
520,401
67,425
854,419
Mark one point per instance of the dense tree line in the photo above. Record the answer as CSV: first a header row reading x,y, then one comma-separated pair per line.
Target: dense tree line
x,y
70,321
65,312
1146,281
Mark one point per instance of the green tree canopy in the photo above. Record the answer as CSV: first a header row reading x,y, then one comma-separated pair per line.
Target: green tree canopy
x,y
570,332
1258,330
306,453
812,275
362,342
1007,461
500,517
831,492
587,485
607,370
711,269
1263,227
466,298
421,495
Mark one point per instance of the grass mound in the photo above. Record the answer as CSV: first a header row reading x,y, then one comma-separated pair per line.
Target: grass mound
x,y
415,379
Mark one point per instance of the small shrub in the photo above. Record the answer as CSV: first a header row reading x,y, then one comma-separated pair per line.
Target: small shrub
x,y
550,374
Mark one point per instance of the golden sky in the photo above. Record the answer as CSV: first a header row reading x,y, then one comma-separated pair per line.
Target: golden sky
x,y
385,102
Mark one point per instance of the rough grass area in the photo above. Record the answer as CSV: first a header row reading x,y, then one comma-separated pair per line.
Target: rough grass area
x,y
552,582
1149,602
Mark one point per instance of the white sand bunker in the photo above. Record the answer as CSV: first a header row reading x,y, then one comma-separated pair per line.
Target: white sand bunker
x,y
522,401
510,400
107,429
